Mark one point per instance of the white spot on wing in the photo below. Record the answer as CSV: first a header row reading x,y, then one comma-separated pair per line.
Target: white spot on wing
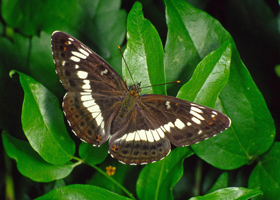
x,y
71,39
83,52
79,55
150,136
82,74
160,132
94,110
195,120
195,109
76,66
198,106
84,47
104,72
99,120
199,132
92,107
197,115
189,124
130,136
179,124
89,103
214,112
75,59
168,126
137,137
86,98
142,135
86,85
85,93
155,134
167,103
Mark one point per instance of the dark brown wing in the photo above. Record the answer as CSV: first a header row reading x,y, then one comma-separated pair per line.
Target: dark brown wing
x,y
184,123
136,140
94,88
144,135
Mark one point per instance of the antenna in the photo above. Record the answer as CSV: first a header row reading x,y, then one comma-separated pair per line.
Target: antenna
x,y
162,84
132,78
126,64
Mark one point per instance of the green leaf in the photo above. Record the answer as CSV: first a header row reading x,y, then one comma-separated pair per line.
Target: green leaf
x,y
144,52
222,182
209,78
266,175
230,194
33,16
163,175
192,34
30,164
110,21
42,123
180,53
93,155
80,192
41,65
252,131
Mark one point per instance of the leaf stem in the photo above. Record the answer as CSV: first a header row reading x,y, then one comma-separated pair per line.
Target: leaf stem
x,y
114,181
80,161
10,193
198,175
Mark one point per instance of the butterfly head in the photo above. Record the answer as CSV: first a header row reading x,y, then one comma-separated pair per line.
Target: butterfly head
x,y
135,89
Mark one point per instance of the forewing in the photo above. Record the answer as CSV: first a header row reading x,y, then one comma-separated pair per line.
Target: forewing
x,y
136,140
81,69
184,123
94,88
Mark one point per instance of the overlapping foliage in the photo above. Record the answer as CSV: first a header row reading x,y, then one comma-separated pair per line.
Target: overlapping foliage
x,y
197,46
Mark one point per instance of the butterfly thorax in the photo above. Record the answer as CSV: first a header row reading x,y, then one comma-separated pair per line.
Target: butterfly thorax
x,y
130,100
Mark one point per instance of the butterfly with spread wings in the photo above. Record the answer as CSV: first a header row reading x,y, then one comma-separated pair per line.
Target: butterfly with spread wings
x,y
99,107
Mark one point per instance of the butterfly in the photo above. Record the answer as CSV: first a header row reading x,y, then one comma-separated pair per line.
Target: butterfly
x,y
99,106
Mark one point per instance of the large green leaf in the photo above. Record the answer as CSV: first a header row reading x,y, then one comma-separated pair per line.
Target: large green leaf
x,y
209,78
156,180
266,175
30,164
73,192
144,52
43,124
252,131
192,34
230,194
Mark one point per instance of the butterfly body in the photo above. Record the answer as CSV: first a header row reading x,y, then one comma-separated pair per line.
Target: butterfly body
x,y
99,107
